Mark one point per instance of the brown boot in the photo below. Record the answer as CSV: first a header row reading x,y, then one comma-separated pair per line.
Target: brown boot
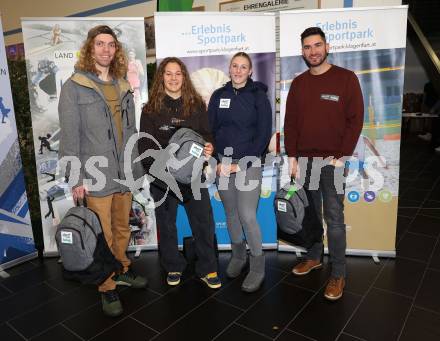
x,y
334,288
306,266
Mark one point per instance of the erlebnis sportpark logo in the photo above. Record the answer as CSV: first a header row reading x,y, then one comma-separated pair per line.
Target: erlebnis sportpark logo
x,y
369,196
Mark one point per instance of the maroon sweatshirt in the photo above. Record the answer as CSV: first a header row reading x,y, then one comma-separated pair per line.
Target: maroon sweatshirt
x,y
324,114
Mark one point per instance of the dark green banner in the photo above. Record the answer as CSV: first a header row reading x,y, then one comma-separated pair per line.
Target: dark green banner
x,y
174,5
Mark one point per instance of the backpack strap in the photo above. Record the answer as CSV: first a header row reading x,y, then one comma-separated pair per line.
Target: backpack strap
x,y
291,191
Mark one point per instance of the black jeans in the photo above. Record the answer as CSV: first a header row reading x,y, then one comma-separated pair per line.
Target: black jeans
x,y
201,220
322,191
435,140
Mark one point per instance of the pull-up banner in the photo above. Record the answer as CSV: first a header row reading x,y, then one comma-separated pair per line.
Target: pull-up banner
x,y
52,46
16,238
205,42
362,41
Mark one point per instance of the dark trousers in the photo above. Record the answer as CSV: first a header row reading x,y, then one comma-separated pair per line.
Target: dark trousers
x,y
435,140
322,194
201,220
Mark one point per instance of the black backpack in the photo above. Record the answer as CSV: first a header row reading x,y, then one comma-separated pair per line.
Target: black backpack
x,y
83,249
290,204
302,233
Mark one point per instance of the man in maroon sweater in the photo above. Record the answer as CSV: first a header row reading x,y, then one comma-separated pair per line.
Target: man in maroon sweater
x,y
324,118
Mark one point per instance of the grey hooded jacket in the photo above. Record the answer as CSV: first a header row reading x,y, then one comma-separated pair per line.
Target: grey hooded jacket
x,y
88,129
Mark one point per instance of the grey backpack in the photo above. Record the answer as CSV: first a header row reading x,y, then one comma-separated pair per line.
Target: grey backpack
x,y
84,252
290,206
191,146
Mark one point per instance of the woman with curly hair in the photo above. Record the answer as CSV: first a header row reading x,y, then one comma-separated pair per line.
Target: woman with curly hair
x,y
173,104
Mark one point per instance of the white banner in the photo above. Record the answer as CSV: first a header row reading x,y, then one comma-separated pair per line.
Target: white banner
x,y
52,46
362,41
16,238
210,34
346,30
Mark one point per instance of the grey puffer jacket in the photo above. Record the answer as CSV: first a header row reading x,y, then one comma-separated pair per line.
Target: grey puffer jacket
x,y
88,129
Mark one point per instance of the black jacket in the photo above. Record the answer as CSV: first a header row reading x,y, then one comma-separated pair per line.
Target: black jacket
x,y
163,125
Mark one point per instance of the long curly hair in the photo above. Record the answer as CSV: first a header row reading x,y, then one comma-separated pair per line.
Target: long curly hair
x,y
191,100
86,62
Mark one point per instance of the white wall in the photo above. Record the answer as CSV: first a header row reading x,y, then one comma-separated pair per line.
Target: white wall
x,y
13,10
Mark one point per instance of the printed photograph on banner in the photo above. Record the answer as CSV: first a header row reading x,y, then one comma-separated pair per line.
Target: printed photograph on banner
x,y
142,222
52,48
150,41
209,73
16,237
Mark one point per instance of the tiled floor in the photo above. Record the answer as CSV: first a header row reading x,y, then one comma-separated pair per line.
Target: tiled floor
x,y
394,300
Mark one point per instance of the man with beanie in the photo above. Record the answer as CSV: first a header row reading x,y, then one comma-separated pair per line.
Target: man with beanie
x,y
97,118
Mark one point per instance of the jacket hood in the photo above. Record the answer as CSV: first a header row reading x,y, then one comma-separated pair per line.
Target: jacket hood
x,y
91,80
251,86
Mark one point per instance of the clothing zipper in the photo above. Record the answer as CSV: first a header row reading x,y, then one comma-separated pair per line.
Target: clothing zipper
x,y
126,110
108,114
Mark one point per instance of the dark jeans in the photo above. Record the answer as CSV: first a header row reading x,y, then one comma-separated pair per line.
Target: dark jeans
x,y
201,220
322,193
435,140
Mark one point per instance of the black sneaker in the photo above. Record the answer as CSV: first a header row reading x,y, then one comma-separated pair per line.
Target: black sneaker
x,y
111,305
131,279
173,278
212,280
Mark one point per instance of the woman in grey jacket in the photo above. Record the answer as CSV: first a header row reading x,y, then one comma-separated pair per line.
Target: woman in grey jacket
x,y
240,117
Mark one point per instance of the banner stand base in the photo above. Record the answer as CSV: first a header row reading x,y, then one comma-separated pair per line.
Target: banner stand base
x,y
227,247
50,254
374,254
4,274
17,261
137,249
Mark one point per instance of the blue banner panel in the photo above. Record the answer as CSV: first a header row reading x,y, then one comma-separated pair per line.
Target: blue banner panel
x,y
16,239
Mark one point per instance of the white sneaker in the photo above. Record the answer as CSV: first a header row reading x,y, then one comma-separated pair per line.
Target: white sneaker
x,y
425,137
437,149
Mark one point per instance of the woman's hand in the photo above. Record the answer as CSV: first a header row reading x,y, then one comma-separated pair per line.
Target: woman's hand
x,y
226,170
208,150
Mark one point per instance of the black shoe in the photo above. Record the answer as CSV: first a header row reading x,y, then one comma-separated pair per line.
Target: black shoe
x,y
131,279
111,305
173,278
